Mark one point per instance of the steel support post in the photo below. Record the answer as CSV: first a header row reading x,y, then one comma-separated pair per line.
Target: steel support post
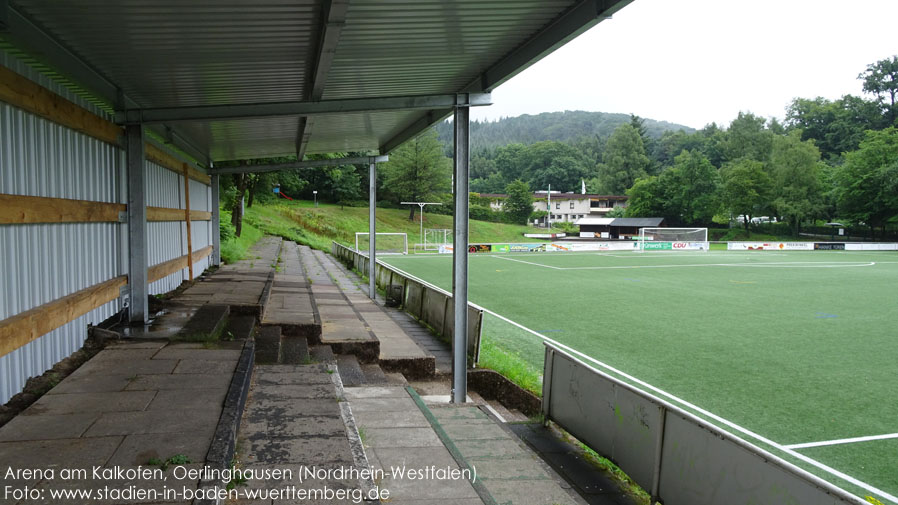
x,y
137,226
372,237
461,124
216,221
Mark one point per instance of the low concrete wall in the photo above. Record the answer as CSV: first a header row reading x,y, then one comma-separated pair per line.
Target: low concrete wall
x,y
679,458
428,303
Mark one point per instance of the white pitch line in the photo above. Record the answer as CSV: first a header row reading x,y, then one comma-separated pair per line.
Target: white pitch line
x,y
832,471
842,441
529,263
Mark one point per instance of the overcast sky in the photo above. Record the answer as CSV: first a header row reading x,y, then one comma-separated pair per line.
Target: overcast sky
x,y
694,62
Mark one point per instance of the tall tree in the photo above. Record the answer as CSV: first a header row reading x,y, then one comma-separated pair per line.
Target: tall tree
x,y
692,186
835,126
549,162
747,137
745,188
867,183
417,170
519,204
623,162
794,168
647,198
881,79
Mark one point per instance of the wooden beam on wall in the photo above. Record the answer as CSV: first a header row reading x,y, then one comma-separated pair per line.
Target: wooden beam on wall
x,y
163,270
30,325
28,95
156,214
21,209
160,157
187,221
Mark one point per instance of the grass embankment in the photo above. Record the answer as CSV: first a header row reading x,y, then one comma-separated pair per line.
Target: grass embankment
x,y
318,226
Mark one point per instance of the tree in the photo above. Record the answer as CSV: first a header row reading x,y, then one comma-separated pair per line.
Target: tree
x,y
519,204
881,79
794,168
745,188
836,127
747,137
691,186
867,183
623,162
647,198
549,162
417,170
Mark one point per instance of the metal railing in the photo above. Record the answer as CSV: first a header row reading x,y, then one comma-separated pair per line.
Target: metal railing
x,y
428,303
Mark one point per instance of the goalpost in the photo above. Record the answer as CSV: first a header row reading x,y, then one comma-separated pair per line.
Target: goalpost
x,y
385,243
435,237
673,239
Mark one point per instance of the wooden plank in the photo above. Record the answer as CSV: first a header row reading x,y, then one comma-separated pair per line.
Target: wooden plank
x,y
163,270
30,325
21,209
21,92
187,214
161,157
156,214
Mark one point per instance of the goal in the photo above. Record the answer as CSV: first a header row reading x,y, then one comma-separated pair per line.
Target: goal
x,y
673,239
384,243
434,238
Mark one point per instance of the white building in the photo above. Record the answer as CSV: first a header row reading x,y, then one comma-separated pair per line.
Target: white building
x,y
565,207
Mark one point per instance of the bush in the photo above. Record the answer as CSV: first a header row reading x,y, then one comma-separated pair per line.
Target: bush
x,y
485,214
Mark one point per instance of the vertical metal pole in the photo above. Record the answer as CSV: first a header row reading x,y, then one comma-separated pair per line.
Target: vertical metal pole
x,y
372,215
549,208
137,226
216,222
460,257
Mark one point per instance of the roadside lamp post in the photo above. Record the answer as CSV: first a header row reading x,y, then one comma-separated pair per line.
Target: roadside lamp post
x,y
315,195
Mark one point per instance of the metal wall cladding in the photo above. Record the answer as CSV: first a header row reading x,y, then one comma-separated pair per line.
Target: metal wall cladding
x,y
40,263
168,240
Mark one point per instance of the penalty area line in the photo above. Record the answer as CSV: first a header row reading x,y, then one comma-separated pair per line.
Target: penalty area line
x,y
841,441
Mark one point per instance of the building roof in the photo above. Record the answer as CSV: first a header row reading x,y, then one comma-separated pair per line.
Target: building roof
x,y
638,222
254,79
562,196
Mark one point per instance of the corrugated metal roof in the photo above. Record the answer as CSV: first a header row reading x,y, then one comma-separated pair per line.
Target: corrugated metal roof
x,y
179,53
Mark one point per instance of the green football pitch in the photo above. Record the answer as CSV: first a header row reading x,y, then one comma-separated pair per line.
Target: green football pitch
x,y
796,352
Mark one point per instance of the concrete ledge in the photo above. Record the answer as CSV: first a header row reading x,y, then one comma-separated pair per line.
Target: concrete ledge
x,y
365,351
207,323
411,368
221,452
492,385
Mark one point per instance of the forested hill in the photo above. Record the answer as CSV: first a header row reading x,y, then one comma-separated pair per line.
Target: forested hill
x,y
567,127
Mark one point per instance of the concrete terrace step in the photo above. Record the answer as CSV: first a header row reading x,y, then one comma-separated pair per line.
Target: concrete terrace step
x,y
397,351
290,304
241,327
241,285
294,418
293,350
208,322
350,371
322,354
268,344
342,328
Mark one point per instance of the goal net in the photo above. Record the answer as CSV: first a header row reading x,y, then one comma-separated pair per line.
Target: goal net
x,y
434,238
384,243
673,239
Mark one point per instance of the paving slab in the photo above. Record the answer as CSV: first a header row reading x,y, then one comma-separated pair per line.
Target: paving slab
x,y
158,382
174,400
47,427
71,403
139,449
153,421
